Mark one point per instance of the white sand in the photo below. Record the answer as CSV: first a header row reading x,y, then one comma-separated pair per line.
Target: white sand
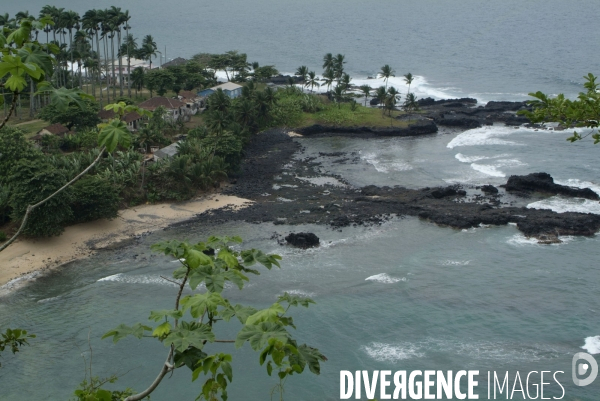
x,y
25,258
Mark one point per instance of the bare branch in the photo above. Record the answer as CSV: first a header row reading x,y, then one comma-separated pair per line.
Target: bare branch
x,y
31,208
166,368
11,110
224,341
172,281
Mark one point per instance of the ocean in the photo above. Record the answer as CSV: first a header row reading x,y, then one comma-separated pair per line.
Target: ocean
x,y
405,295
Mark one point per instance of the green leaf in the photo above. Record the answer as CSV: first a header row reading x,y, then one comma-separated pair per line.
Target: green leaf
x,y
190,357
162,330
198,303
270,314
252,256
122,331
194,258
61,98
189,334
258,335
227,370
158,315
294,300
269,368
308,356
244,312
236,277
16,83
226,256
113,134
21,34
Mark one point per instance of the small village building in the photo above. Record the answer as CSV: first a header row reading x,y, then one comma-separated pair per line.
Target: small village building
x,y
133,119
58,130
176,109
166,152
175,62
191,100
231,89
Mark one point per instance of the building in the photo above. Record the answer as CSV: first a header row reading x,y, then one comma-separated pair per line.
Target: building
x,y
175,62
176,109
133,119
54,129
231,89
191,100
166,152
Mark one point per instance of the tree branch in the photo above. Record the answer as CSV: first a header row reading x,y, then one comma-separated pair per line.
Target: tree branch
x,y
31,208
224,341
166,368
11,110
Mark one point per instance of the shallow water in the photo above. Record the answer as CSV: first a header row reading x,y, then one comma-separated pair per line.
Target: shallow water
x,y
403,295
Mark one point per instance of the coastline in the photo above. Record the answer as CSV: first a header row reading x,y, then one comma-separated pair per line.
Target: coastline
x,y
29,258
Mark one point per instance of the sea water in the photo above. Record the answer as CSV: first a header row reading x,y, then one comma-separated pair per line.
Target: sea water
x,y
403,295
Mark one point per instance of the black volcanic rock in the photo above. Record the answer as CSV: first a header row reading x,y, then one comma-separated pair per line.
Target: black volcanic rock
x,y
489,189
462,122
432,102
421,127
302,240
504,106
440,193
543,182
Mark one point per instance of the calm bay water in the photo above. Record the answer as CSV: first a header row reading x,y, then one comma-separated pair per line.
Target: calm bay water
x,y
405,295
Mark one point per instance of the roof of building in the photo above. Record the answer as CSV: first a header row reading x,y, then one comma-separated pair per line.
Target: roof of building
x,y
129,117
106,114
175,62
227,86
205,92
157,101
167,151
56,129
188,95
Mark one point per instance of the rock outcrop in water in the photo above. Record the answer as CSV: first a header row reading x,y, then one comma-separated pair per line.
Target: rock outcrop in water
x,y
303,240
543,182
421,127
270,174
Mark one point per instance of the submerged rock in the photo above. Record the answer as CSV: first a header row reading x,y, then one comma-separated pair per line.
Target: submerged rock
x,y
543,182
489,189
302,240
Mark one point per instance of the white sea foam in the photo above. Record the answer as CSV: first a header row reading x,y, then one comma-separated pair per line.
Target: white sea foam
x,y
43,301
521,240
124,278
383,166
322,180
385,278
456,262
592,345
560,204
487,170
469,159
391,353
282,199
488,135
573,182
299,293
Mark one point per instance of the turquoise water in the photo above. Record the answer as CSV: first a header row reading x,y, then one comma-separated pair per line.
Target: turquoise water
x,y
402,296
500,49
405,295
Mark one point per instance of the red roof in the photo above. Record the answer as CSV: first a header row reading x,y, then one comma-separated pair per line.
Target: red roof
x,y
155,102
56,129
188,95
106,114
129,117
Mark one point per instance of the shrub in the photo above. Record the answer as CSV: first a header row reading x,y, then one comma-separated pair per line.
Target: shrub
x,y
2,236
31,182
94,198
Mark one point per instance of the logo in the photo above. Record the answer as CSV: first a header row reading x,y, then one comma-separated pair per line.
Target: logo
x,y
580,368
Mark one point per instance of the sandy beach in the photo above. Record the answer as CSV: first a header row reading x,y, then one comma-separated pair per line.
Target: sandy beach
x,y
27,258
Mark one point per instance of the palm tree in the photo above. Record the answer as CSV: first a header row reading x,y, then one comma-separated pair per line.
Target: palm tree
x,y
328,62
381,95
302,72
338,95
91,23
366,89
345,81
391,99
129,48
71,21
312,80
149,48
386,73
328,78
137,79
410,103
338,66
408,78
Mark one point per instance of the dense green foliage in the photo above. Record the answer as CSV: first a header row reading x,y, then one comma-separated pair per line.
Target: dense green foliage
x,y
188,329
94,197
75,117
582,112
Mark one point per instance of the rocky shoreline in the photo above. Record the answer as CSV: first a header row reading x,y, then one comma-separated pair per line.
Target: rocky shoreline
x,y
288,190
